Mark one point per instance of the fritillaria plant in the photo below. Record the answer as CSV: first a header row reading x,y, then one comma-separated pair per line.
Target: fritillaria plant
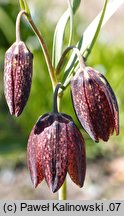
x,y
55,147
55,144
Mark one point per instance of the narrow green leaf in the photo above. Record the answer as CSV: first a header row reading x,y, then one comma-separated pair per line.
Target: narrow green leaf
x,y
75,5
58,38
89,48
60,30
89,33
71,22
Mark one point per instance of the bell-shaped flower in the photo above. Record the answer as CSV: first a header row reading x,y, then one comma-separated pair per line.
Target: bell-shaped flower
x,y
95,104
17,77
55,147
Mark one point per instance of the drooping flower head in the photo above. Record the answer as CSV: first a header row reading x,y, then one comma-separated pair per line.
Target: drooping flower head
x,y
17,77
95,104
55,147
18,67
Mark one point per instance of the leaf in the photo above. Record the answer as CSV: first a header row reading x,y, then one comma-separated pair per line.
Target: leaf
x,y
88,50
58,38
89,33
75,5
59,32
71,22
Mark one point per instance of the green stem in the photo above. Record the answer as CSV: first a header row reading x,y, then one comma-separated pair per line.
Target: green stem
x,y
56,105
81,64
80,58
88,50
62,194
45,51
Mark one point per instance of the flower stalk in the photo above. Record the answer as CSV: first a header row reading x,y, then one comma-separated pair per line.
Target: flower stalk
x,y
24,5
18,38
62,194
45,51
55,105
67,50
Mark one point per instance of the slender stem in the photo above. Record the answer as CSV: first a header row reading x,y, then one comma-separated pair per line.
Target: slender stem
x,y
80,58
18,38
62,59
55,105
45,51
62,194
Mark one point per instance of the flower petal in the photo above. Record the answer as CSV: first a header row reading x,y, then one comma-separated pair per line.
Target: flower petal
x,y
102,81
8,79
17,77
81,106
101,115
114,103
34,152
95,104
76,155
54,158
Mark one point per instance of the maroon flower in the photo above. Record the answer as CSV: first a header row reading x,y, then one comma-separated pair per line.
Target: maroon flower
x,y
17,77
55,147
95,104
